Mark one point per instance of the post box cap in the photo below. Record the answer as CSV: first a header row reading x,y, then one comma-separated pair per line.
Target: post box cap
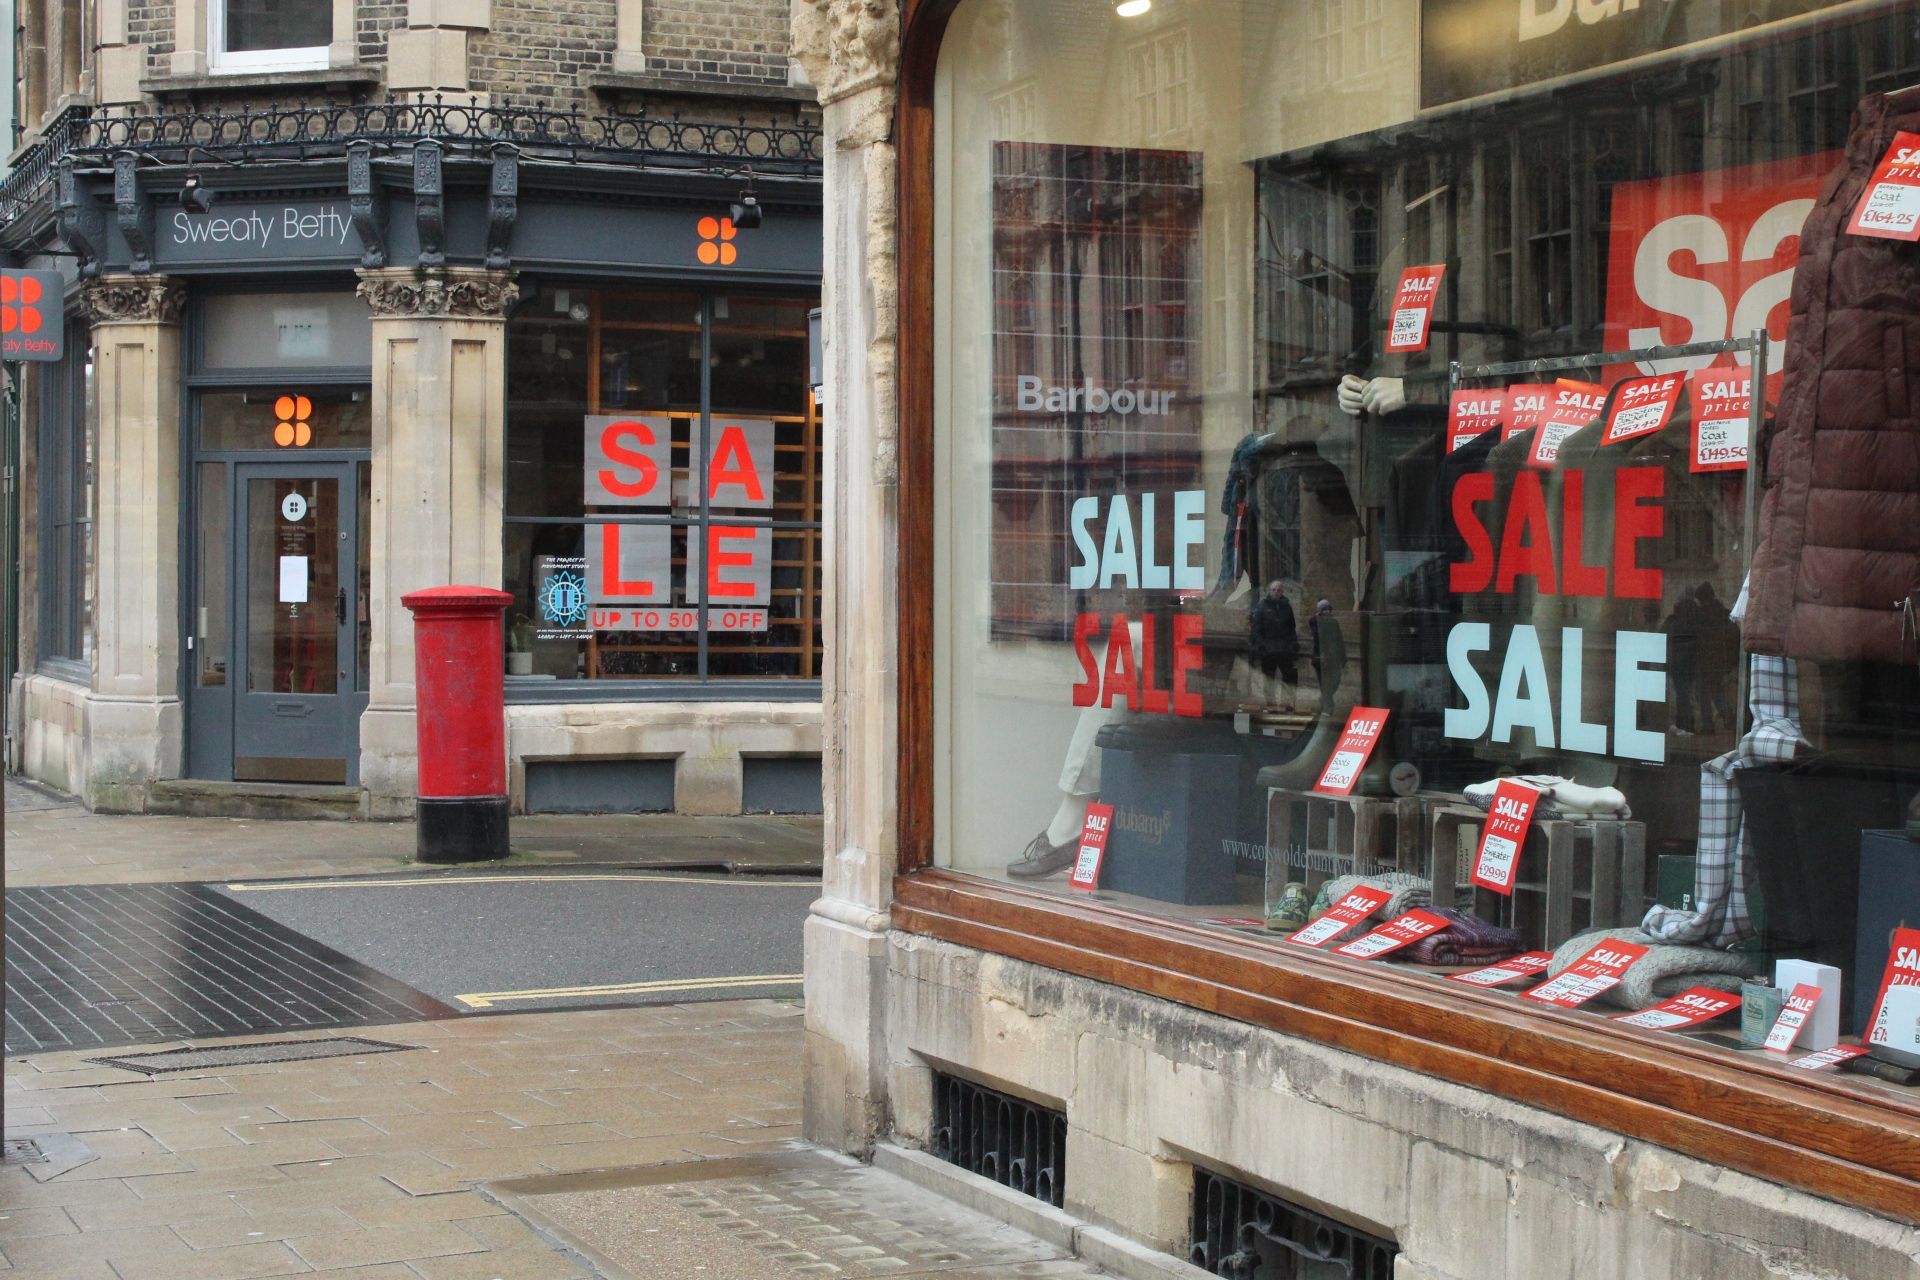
x,y
443,598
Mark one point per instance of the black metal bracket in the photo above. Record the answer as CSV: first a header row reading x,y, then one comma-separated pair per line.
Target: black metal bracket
x,y
133,209
366,205
503,204
79,222
429,203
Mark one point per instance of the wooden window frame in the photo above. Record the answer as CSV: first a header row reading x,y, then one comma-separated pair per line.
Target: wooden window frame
x,y
1817,1132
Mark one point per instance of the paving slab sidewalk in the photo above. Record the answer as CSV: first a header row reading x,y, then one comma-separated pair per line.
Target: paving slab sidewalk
x,y
54,840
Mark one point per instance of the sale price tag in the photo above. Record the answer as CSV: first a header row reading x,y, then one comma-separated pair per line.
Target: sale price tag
x,y
1471,414
1575,404
1525,965
1393,935
1828,1057
1413,303
1356,906
1642,406
1722,414
1694,1005
1093,846
1504,835
1527,405
1793,1016
1889,209
1596,971
1350,753
1896,1011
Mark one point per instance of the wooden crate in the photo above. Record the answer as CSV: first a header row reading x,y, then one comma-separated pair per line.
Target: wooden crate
x,y
1315,838
1573,875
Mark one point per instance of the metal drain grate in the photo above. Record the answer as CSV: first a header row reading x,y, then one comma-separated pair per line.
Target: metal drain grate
x,y
1243,1233
22,1151
1009,1140
248,1055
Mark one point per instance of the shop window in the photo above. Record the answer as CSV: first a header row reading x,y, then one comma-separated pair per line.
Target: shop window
x,y
269,35
663,489
66,463
1235,637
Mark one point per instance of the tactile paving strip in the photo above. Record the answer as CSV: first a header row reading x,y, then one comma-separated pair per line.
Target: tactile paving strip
x,y
95,965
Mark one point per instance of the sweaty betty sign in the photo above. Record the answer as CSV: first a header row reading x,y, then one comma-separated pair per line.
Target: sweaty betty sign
x,y
259,233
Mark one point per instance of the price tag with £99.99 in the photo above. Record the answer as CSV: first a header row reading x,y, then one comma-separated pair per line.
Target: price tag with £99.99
x,y
1596,971
1361,902
1393,935
1525,965
1694,1005
1413,303
1350,753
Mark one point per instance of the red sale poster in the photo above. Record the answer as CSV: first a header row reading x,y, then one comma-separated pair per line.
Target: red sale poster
x,y
1350,753
1473,413
1346,913
1596,971
1642,406
1575,404
1527,405
1896,1011
1393,935
1413,303
1793,1016
1889,209
1093,846
1504,835
1691,1007
1525,965
1722,415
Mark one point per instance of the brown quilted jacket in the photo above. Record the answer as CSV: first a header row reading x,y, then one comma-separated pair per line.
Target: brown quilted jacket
x,y
1839,538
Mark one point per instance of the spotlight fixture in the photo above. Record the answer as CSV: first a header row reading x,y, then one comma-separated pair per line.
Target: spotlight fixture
x,y
745,211
194,197
1132,8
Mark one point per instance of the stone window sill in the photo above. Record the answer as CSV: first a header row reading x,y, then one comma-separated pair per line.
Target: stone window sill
x,y
354,77
676,86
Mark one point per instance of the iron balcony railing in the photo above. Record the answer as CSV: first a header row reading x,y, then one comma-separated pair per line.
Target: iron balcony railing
x,y
322,130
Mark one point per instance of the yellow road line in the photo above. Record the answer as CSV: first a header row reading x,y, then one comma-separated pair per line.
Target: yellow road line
x,y
487,999
394,882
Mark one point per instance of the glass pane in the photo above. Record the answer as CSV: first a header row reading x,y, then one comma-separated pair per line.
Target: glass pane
x,y
582,614
285,330
254,25
363,597
286,420
210,580
293,581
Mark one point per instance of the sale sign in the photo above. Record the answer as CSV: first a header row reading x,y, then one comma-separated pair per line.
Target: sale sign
x,y
1350,754
1896,1011
1504,835
1793,1016
1359,903
1889,209
1393,935
1722,414
1642,406
1828,1057
1525,965
1703,257
1691,1007
1413,303
1596,971
1527,405
1575,404
1471,414
1093,846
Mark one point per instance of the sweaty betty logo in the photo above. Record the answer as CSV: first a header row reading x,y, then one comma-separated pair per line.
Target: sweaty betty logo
x,y
1089,397
284,226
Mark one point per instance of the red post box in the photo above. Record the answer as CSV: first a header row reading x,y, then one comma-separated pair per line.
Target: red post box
x,y
460,706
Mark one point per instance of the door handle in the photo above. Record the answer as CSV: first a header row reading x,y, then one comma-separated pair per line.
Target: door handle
x,y
294,709
340,607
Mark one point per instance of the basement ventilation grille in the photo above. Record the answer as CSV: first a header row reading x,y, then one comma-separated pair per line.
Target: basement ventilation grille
x,y
1248,1235
259,1054
1005,1139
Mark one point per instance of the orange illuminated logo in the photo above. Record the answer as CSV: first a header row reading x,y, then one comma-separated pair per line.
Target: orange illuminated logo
x,y
716,241
292,428
20,296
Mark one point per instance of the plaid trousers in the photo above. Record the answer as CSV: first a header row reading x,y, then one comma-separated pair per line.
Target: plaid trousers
x,y
1723,870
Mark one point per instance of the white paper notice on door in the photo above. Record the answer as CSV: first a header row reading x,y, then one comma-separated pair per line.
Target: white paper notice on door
x,y
293,579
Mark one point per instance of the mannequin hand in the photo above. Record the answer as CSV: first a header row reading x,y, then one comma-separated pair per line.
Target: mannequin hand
x,y
1384,396
1351,393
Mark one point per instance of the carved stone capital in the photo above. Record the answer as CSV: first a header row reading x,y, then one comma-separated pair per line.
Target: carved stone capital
x,y
846,46
462,293
133,300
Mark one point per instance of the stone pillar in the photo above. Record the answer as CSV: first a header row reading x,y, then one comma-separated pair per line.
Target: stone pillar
x,y
133,716
850,49
439,460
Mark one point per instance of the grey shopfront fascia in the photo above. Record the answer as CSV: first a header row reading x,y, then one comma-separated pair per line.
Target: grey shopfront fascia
x,y
290,228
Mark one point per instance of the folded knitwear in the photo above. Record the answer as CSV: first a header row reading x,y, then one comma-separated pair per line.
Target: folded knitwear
x,y
1559,797
1664,972
1467,939
1408,890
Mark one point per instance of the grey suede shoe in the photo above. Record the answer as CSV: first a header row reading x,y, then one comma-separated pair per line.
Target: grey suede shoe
x,y
1043,859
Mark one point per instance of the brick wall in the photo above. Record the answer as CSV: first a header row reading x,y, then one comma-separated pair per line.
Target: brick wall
x,y
740,41
151,24
372,19
543,50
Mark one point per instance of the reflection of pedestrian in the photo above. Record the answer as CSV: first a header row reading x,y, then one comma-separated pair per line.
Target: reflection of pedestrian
x,y
1682,629
1719,657
1275,637
1329,650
